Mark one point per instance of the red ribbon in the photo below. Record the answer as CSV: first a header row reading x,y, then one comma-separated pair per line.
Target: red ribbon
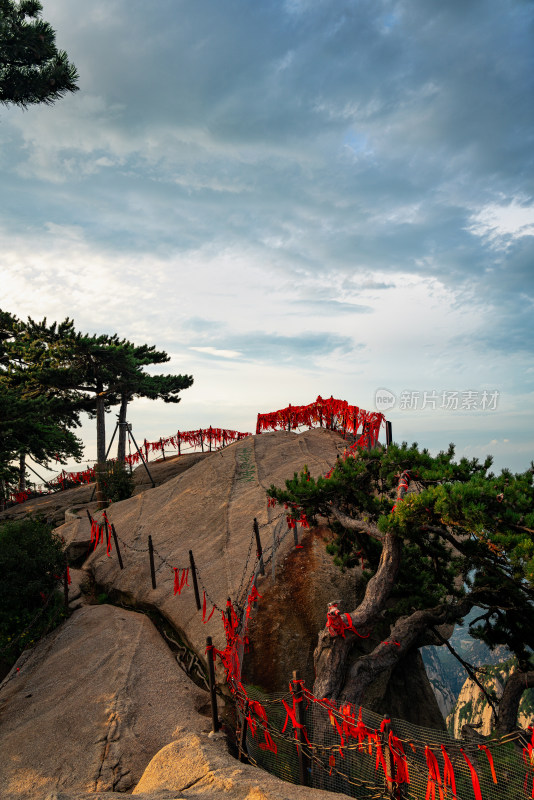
x,y
448,773
434,778
486,749
474,777
291,715
204,620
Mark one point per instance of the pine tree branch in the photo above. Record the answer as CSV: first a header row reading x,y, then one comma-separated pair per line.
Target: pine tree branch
x,y
469,669
361,525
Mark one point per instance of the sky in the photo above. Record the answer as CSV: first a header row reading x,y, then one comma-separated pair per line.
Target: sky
x,y
293,198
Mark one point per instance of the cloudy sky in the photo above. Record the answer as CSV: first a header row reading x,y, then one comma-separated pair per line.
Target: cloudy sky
x,y
293,198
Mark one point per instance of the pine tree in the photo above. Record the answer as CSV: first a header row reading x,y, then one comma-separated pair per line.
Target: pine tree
x,y
154,387
439,538
36,419
32,69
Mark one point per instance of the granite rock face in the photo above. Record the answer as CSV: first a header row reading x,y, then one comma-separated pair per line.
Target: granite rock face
x,y
208,509
91,705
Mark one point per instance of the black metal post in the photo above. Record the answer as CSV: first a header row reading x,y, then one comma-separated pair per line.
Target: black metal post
x,y
201,440
178,439
211,676
195,582
114,532
162,448
289,418
210,438
304,759
108,534
389,434
258,546
142,459
151,555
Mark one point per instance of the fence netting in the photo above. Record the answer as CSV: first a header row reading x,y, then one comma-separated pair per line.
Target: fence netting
x,y
391,759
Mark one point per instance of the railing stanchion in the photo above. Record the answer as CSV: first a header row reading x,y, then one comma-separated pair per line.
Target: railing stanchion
x,y
213,695
151,555
258,546
304,759
114,532
242,755
195,581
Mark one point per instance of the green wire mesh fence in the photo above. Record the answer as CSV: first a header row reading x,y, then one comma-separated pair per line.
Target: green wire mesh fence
x,y
368,767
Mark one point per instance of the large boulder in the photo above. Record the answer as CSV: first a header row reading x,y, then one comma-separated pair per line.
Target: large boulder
x,y
209,509
90,705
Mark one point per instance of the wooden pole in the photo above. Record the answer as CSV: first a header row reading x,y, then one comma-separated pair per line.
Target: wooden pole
x,y
390,785
179,443
195,582
242,753
113,531
258,546
211,676
146,450
304,760
151,555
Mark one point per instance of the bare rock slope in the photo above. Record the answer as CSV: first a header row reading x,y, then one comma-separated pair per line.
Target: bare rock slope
x,y
208,509
85,711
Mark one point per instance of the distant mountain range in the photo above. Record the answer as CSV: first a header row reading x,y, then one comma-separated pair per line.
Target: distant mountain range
x,y
460,700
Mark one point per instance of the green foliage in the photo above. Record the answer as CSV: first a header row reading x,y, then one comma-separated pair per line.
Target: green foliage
x,y
32,69
31,561
36,416
464,531
117,482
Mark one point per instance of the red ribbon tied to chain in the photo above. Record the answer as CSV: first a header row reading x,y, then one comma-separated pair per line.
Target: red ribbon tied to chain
x,y
180,581
486,749
291,714
474,776
434,777
204,620
448,773
399,759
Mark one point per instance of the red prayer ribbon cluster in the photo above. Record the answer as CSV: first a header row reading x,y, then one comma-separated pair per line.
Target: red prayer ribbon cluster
x,y
210,438
331,413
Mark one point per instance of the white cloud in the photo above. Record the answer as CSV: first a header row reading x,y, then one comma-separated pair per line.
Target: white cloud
x,y
501,224
214,351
